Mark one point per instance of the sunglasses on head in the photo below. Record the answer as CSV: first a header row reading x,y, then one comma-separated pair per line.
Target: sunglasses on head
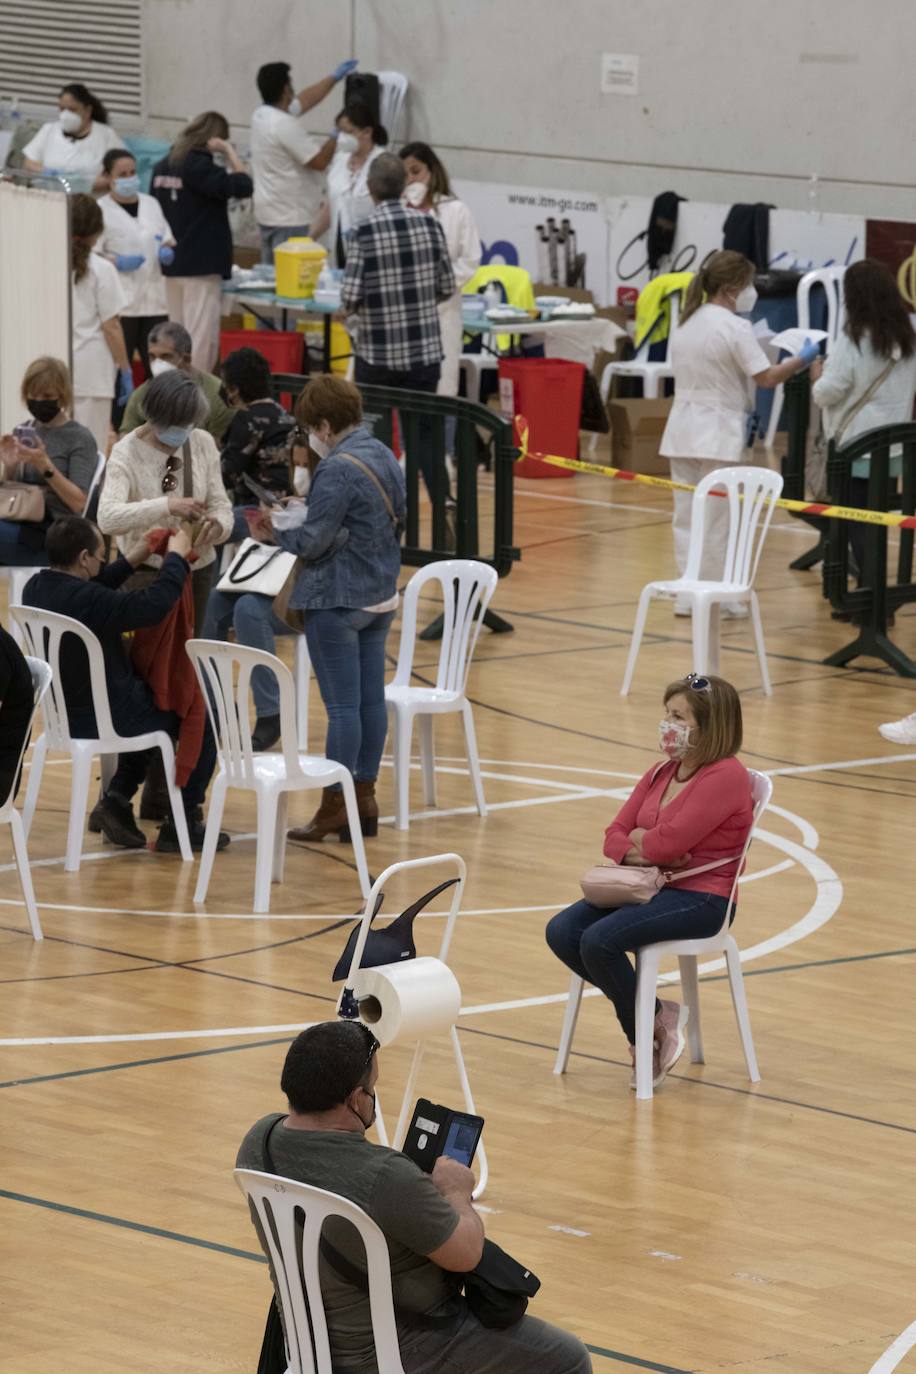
x,y
372,1045
170,476
697,683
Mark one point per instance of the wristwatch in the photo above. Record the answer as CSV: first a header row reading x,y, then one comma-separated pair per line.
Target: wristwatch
x,y
48,473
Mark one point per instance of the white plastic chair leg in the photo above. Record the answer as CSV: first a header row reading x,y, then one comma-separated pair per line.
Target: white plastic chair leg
x,y
775,416
427,759
646,982
639,625
701,629
211,834
21,855
356,834
176,802
757,624
31,792
403,729
264,852
302,672
279,855
470,736
571,1016
739,1000
690,988
650,385
79,796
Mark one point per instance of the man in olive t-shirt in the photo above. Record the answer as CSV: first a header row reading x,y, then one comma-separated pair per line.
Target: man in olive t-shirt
x,y
170,347
434,1234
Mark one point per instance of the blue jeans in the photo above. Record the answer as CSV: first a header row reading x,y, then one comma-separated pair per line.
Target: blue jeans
x,y
593,942
347,649
16,554
252,617
271,237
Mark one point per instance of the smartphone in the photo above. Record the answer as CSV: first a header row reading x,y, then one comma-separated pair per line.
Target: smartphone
x,y
462,1137
267,498
26,436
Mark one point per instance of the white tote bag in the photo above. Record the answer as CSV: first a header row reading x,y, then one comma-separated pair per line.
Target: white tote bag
x,y
261,568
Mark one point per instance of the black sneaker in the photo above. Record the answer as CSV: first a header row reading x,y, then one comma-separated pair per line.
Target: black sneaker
x,y
114,818
167,839
265,734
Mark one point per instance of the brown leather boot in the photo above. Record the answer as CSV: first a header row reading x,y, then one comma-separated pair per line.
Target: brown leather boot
x,y
329,819
368,811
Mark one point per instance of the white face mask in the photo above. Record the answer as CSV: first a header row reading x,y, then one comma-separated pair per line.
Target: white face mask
x,y
295,106
159,365
70,121
347,143
318,445
674,738
745,300
302,480
415,193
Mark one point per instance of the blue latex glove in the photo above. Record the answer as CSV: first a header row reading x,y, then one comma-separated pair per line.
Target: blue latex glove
x,y
808,352
166,255
125,386
129,262
345,68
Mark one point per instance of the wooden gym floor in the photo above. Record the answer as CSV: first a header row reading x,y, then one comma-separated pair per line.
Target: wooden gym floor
x,y
726,1227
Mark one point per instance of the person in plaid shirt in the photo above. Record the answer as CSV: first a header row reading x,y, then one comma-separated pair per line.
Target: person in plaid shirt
x,y
398,270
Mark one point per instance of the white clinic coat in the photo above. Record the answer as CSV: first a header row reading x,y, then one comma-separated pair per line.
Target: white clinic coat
x,y
144,290
96,298
714,355
464,250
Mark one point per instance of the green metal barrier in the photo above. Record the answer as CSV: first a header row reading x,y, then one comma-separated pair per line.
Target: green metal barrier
x,y
873,599
455,528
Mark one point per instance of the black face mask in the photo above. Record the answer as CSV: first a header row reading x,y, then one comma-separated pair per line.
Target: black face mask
x,y
43,411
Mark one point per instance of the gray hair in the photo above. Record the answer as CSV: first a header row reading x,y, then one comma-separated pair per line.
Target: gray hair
x,y
386,177
174,398
172,333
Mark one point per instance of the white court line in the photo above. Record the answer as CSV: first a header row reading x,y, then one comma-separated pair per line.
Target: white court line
x,y
846,763
895,1353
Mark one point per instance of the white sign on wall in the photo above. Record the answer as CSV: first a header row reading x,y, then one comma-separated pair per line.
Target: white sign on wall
x,y
513,220
619,73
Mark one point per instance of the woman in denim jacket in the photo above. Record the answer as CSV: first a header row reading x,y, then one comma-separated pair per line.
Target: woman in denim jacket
x,y
347,589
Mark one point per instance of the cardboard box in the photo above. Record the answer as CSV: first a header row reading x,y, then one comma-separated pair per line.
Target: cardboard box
x,y
636,432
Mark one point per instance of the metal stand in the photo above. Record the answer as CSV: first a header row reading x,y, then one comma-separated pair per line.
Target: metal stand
x,y
408,1096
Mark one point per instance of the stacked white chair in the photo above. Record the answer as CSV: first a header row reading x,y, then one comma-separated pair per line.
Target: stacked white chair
x,y
467,587
650,373
290,1216
687,952
43,632
750,493
224,672
41,681
831,279
392,99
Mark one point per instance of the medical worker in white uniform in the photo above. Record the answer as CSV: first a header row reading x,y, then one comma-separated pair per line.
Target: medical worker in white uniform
x,y
138,240
428,189
74,143
717,362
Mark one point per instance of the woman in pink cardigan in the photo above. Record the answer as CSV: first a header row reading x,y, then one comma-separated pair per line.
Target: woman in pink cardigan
x,y
694,809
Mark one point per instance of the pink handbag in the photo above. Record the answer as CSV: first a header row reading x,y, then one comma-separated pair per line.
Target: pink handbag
x,y
609,885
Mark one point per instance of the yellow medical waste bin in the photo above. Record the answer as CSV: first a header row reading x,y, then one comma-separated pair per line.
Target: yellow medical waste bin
x,y
298,264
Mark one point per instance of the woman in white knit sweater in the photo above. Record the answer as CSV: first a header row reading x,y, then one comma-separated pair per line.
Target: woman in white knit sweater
x,y
147,483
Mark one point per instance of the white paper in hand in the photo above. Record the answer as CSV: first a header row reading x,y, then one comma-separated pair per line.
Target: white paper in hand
x,y
793,340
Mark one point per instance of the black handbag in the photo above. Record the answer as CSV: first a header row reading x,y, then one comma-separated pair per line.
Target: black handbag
x,y
391,945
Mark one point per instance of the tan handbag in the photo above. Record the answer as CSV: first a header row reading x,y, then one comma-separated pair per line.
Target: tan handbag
x,y
23,501
608,885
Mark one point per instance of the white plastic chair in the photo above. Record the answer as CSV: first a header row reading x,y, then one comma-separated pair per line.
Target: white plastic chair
x,y
279,1207
831,279
392,97
687,953
652,374
41,681
43,632
302,673
18,577
467,587
224,671
750,493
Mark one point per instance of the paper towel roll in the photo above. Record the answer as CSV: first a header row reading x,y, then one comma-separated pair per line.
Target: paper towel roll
x,y
410,1000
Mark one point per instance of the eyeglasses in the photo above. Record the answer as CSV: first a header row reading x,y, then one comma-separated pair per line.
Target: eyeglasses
x,y
170,476
697,683
373,1045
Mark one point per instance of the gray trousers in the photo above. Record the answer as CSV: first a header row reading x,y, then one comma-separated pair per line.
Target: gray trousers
x,y
531,1346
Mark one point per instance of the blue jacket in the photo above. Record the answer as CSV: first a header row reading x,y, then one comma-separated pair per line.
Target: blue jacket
x,y
350,548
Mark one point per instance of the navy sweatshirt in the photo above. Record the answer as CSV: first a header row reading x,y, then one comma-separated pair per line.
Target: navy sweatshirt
x,y
194,197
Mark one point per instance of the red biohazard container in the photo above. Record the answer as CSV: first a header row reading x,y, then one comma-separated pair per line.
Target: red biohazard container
x,y
548,393
281,348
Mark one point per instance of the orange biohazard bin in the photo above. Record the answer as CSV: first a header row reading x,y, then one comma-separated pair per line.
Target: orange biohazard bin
x,y
548,392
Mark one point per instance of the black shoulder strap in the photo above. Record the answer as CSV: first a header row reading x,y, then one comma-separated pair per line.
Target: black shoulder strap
x,y
187,475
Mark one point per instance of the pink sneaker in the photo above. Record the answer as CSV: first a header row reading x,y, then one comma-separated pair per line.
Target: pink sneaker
x,y
669,1035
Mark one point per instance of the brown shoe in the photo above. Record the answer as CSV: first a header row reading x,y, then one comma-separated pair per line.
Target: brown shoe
x,y
368,810
329,819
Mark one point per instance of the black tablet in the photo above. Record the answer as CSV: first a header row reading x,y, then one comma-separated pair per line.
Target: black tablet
x,y
436,1130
